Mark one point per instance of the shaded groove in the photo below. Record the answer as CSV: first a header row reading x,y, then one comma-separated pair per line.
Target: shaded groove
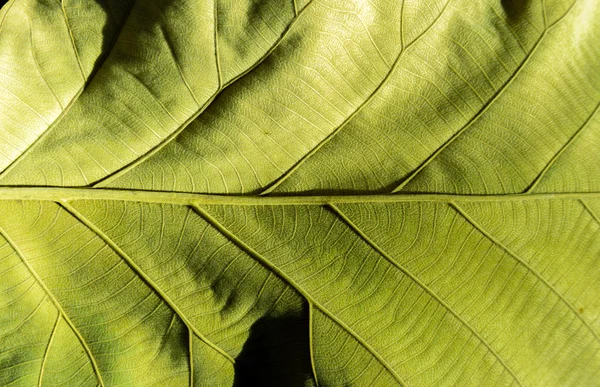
x,y
191,355
356,111
481,111
57,194
104,181
310,342
562,150
496,242
268,265
423,286
60,309
216,38
72,38
140,273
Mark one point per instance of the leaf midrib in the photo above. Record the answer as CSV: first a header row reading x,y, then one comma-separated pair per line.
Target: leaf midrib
x,y
45,193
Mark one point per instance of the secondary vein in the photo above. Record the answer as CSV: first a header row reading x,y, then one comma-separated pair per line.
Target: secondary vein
x,y
482,111
271,267
533,271
58,306
425,288
140,273
273,186
104,181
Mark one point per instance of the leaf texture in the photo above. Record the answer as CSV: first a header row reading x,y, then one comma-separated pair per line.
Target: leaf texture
x,y
300,193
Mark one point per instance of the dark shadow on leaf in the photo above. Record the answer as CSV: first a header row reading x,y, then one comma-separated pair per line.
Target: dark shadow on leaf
x,y
514,9
277,353
117,12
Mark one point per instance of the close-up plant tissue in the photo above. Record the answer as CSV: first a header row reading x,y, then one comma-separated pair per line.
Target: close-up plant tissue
x,y
300,193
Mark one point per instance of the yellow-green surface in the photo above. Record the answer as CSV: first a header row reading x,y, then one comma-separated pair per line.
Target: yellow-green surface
x,y
300,193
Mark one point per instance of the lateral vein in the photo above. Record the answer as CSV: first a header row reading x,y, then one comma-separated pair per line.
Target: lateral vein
x,y
423,286
590,211
140,273
104,181
64,112
50,340
268,265
483,109
311,343
499,244
58,306
562,150
356,111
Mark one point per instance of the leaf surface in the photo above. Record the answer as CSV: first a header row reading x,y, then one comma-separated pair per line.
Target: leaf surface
x,y
300,193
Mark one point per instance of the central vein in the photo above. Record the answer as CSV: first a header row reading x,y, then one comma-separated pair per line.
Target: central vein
x,y
184,198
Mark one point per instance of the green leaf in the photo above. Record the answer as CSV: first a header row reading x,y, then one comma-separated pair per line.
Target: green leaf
x,y
300,193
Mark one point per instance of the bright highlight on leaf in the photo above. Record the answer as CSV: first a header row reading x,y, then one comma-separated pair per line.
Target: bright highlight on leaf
x,y
300,193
